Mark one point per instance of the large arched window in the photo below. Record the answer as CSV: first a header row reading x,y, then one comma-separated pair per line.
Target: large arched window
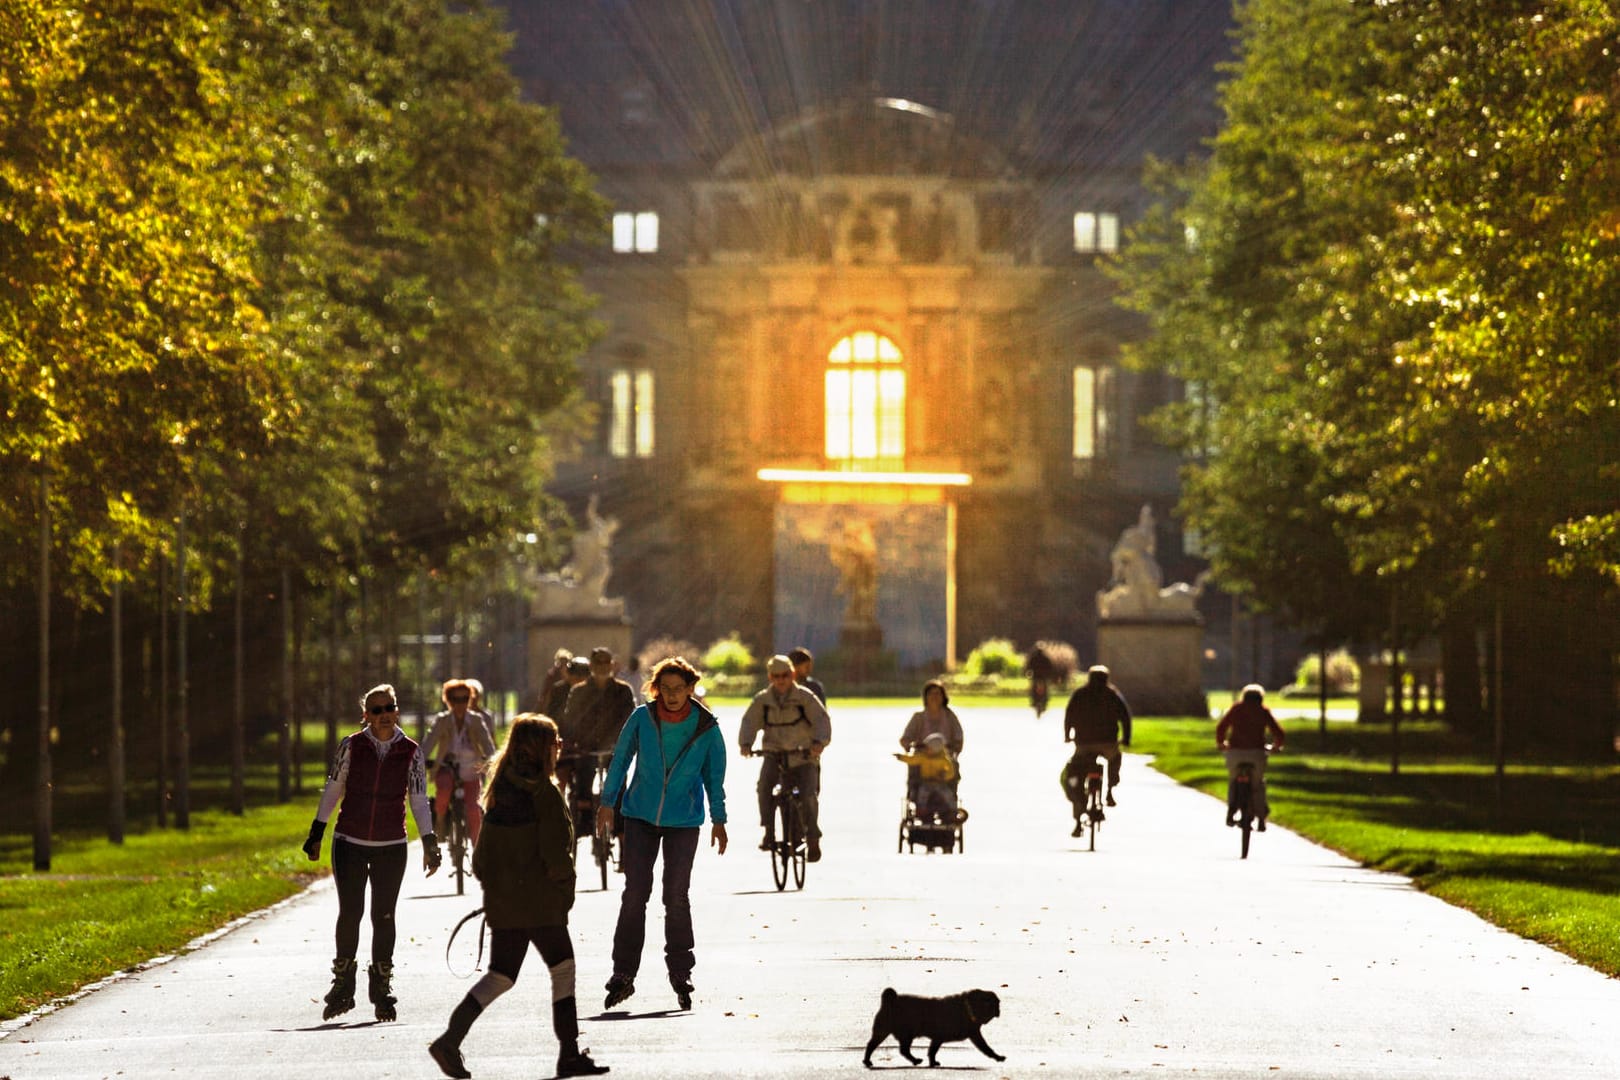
x,y
866,403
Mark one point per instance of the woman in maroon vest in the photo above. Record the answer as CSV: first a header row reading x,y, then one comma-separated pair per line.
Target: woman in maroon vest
x,y
377,770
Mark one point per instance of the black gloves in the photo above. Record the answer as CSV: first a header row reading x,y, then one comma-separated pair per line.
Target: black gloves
x,y
430,852
312,844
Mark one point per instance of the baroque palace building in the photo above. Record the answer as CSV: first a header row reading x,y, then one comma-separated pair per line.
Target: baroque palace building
x,y
859,384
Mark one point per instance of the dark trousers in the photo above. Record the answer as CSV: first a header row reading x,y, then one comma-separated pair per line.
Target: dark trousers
x,y
808,777
508,947
354,866
639,850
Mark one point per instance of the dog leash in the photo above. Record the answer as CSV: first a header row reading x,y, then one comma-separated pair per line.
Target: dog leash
x,y
482,927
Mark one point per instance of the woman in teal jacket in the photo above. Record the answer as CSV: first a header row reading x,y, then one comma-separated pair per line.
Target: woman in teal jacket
x,y
680,758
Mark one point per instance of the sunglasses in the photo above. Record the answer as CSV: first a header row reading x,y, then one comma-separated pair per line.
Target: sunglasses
x,y
378,710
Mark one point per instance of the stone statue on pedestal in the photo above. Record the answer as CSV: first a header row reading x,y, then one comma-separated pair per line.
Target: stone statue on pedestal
x,y
1137,589
577,590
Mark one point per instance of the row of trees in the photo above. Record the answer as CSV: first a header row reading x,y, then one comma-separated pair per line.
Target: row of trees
x,y
1393,288
279,292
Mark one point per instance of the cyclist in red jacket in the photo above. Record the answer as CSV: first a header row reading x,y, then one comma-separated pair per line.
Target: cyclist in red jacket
x,y
1243,734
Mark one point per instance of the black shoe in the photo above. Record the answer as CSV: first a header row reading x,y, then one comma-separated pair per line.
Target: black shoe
x,y
340,999
1079,829
1261,825
1110,798
813,850
769,843
682,985
619,987
1231,821
578,1063
448,1059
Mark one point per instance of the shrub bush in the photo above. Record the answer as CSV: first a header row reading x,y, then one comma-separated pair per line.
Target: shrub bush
x,y
994,656
729,656
662,648
1343,673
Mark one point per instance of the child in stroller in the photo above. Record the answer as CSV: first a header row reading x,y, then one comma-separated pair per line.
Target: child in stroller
x,y
932,787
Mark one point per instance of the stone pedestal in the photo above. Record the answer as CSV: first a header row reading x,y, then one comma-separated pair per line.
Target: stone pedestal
x,y
860,651
579,635
1157,664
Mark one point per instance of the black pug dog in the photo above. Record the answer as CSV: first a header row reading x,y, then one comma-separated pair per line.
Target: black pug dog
x,y
939,1020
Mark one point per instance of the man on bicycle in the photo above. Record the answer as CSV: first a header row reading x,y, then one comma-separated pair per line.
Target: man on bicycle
x,y
592,718
462,737
1243,734
1098,722
793,720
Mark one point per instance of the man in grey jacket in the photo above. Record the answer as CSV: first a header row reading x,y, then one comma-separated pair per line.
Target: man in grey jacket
x,y
795,721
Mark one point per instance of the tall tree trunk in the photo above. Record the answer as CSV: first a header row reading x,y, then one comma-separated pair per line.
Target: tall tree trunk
x,y
238,698
163,694
115,740
42,789
283,742
331,676
182,723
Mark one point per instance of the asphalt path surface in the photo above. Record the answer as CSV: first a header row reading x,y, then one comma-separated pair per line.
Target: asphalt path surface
x,y
1159,954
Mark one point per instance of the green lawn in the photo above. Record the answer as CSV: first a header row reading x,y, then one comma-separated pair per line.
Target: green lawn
x,y
1543,863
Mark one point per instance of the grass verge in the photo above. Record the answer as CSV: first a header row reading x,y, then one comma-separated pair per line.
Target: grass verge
x,y
104,907
1540,862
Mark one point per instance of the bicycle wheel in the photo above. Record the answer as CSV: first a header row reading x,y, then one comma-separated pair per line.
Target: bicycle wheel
x,y
458,843
781,848
1245,816
797,845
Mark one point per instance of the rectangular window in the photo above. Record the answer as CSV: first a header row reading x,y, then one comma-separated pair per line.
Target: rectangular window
x,y
630,414
635,232
1095,233
1091,392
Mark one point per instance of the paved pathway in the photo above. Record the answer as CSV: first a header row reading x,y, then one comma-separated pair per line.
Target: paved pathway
x,y
1161,954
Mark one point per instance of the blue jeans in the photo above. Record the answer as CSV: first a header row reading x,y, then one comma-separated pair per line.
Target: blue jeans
x,y
639,851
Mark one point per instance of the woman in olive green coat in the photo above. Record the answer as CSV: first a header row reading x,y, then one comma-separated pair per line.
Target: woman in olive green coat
x,y
525,860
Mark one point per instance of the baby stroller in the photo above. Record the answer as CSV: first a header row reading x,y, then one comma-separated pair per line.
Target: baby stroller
x,y
928,820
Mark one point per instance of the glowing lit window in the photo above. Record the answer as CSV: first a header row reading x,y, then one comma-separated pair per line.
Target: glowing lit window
x,y
1091,391
630,414
866,402
1096,232
635,232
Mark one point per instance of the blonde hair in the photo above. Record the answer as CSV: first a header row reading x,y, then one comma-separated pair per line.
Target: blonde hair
x,y
528,739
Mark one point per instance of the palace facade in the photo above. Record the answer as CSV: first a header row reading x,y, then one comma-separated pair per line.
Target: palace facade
x,y
859,387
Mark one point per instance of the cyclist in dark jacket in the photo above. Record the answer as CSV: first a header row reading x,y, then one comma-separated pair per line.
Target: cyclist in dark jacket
x,y
1098,721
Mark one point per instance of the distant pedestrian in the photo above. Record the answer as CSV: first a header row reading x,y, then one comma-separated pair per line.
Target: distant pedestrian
x,y
575,672
590,724
525,860
556,673
804,662
376,772
680,759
